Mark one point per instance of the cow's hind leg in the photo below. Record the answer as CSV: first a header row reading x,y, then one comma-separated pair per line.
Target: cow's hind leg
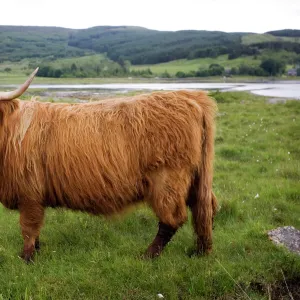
x,y
167,196
31,220
203,211
37,244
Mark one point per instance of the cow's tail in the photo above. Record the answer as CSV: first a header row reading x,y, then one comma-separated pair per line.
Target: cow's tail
x,y
202,200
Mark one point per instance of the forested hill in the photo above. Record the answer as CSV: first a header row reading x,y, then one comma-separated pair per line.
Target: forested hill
x,y
286,32
144,46
136,44
18,42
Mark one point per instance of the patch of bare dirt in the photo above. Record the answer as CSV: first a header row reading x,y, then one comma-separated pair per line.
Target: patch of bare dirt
x,y
281,290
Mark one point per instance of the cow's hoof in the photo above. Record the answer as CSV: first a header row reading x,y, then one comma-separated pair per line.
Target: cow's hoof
x,y
191,252
28,254
150,255
27,258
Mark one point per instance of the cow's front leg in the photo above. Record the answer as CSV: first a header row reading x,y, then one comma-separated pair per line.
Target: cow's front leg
x,y
31,221
164,235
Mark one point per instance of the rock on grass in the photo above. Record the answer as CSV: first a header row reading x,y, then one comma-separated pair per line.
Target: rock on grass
x,y
288,236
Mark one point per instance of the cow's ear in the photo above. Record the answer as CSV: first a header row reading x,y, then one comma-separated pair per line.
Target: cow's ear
x,y
7,108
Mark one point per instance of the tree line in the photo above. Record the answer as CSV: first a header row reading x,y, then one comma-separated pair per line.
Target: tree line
x,y
97,70
122,68
268,67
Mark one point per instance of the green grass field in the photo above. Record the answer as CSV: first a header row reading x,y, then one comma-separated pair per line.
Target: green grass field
x,y
186,65
22,66
79,61
84,257
254,38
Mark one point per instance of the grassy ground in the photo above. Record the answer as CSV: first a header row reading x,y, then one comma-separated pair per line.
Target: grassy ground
x,y
257,175
186,65
79,61
22,66
254,38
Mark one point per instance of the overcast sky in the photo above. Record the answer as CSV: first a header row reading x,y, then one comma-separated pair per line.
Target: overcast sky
x,y
224,15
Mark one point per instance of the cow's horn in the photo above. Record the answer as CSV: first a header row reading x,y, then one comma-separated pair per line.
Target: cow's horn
x,y
19,91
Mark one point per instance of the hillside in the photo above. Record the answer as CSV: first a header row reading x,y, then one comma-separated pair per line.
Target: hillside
x,y
144,46
123,46
137,44
18,42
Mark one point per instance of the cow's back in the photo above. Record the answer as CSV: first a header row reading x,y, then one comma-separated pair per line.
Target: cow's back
x,y
96,155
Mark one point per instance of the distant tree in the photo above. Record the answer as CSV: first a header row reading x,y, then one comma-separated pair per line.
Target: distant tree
x,y
45,71
244,69
143,73
191,74
234,54
98,70
202,73
166,74
73,68
57,73
258,71
251,70
272,66
180,74
233,71
148,71
297,60
215,70
126,65
7,70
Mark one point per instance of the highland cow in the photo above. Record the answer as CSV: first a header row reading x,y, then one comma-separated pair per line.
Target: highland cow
x,y
101,157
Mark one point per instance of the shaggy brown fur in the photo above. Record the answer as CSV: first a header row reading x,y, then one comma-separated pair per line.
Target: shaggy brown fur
x,y
104,156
